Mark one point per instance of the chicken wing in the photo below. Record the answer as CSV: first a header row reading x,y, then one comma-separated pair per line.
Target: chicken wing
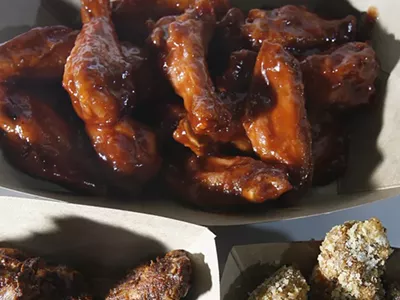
x,y
223,182
297,29
275,117
166,278
131,16
182,43
329,145
352,262
44,144
99,80
343,79
23,277
40,53
227,38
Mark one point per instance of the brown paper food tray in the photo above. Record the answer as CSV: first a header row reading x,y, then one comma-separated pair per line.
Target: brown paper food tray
x,y
374,163
247,266
103,243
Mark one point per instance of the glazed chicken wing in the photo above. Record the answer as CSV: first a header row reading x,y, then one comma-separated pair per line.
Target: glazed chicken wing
x,y
38,140
182,42
99,79
343,79
297,29
222,182
329,145
131,16
275,118
30,278
168,277
40,53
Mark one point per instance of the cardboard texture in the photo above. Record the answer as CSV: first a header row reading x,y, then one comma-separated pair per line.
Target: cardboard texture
x,y
374,162
104,244
248,266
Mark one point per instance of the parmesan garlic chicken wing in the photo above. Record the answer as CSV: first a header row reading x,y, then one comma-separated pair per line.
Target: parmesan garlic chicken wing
x,y
99,79
297,29
275,117
38,54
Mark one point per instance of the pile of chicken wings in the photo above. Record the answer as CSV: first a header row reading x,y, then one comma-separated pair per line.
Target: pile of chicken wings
x,y
223,107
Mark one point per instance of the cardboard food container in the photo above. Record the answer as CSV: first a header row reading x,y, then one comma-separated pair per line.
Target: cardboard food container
x,y
248,266
103,244
374,159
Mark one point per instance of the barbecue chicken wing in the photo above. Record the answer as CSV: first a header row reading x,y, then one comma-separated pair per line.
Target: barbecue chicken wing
x,y
275,117
131,16
297,29
223,182
166,278
232,88
182,44
30,278
329,145
99,80
42,142
343,79
40,54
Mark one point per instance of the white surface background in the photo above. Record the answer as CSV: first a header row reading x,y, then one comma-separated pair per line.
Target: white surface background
x,y
300,229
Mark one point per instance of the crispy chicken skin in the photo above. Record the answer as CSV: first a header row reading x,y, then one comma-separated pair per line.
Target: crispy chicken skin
x,y
297,29
30,278
343,79
99,80
275,116
168,277
40,54
40,141
285,284
182,44
352,262
221,182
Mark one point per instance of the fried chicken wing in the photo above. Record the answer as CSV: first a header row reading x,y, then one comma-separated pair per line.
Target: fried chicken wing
x,y
40,54
285,284
42,143
182,42
99,79
168,277
330,145
222,182
343,79
23,277
297,29
352,261
275,117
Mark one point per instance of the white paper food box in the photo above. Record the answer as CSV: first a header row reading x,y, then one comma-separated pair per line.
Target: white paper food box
x,y
374,162
105,243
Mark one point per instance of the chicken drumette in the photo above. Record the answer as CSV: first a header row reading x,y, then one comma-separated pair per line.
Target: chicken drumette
x,y
99,79
30,278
